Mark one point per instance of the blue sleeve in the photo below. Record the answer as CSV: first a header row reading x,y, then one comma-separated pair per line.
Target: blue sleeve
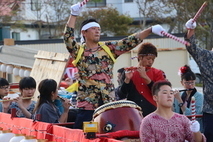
x,y
198,104
176,108
12,105
1,107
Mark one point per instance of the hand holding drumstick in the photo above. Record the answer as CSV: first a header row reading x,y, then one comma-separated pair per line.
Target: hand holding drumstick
x,y
191,23
159,30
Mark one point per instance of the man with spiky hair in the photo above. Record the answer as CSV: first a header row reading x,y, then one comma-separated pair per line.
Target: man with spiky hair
x,y
138,83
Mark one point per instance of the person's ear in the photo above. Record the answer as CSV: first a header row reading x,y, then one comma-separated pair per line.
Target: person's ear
x,y
139,58
83,32
181,82
20,90
52,94
155,97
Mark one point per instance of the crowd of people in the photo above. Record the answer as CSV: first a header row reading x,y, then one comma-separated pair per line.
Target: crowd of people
x,y
165,110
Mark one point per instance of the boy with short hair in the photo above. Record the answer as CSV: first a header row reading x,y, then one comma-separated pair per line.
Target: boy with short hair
x,y
24,104
164,125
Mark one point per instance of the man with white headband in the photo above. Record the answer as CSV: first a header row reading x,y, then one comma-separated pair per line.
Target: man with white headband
x,y
95,61
87,26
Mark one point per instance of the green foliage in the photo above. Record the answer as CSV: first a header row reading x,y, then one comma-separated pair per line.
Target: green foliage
x,y
7,18
177,12
109,19
19,24
204,28
199,84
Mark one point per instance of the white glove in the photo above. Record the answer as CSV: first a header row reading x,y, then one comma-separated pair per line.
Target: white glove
x,y
76,9
157,29
194,126
190,25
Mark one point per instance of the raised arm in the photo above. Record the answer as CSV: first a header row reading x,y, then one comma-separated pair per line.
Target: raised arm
x,y
143,34
190,32
156,29
190,25
75,11
69,39
71,21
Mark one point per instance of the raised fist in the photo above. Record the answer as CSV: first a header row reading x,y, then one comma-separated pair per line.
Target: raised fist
x,y
190,24
194,126
76,9
157,29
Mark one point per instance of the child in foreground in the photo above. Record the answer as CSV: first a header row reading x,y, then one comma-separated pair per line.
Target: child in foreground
x,y
164,125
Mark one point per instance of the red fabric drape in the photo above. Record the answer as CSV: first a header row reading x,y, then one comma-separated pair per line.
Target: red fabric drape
x,y
25,126
45,130
62,134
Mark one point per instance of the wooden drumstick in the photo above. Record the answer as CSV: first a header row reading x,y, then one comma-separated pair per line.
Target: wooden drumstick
x,y
199,12
175,38
193,108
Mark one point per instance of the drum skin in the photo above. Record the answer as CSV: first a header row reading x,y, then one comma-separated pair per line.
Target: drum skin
x,y
119,115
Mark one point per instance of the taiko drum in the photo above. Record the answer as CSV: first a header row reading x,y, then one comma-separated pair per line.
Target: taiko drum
x,y
118,115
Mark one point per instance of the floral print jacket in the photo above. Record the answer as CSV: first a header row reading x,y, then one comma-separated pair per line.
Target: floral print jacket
x,y
96,67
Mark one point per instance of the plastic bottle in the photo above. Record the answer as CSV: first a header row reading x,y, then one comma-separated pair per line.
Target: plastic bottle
x,y
6,135
17,138
29,139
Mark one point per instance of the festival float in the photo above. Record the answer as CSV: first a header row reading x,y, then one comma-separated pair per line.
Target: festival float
x,y
104,127
112,122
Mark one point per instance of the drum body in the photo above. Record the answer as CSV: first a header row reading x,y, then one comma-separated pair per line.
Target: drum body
x,y
118,115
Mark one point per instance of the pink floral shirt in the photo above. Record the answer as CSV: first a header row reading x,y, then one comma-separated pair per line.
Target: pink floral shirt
x,y
154,128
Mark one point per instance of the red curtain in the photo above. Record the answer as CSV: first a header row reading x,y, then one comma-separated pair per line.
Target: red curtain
x,y
45,130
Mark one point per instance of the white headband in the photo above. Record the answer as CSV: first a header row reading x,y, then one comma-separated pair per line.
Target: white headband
x,y
87,26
